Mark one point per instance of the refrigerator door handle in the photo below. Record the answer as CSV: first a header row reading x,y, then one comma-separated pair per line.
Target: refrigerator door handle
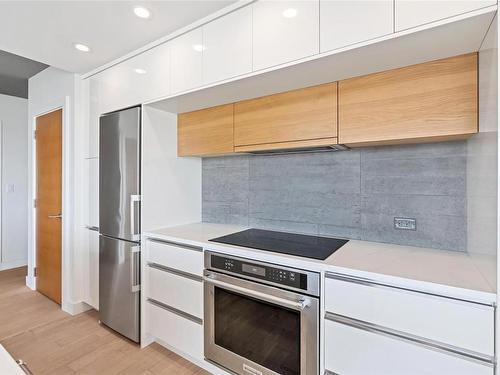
x,y
133,200
135,269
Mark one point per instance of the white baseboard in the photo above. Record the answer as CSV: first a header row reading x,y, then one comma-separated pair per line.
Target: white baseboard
x,y
72,308
199,362
75,308
30,282
146,340
14,264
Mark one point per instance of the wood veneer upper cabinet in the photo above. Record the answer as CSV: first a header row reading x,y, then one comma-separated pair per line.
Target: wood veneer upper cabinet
x,y
205,132
285,120
437,100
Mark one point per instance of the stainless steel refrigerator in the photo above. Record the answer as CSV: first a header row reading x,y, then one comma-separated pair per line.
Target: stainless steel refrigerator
x,y
119,221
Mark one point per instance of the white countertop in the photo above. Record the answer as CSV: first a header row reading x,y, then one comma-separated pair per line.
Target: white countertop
x,y
449,273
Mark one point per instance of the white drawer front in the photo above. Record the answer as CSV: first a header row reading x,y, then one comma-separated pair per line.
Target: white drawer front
x,y
352,351
184,259
176,331
458,323
177,291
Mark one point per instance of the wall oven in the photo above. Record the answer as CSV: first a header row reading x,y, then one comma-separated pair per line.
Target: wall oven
x,y
260,318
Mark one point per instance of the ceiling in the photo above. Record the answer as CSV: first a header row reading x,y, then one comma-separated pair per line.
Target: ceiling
x,y
14,73
46,31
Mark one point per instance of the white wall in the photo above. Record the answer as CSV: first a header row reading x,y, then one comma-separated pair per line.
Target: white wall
x,y
49,90
14,167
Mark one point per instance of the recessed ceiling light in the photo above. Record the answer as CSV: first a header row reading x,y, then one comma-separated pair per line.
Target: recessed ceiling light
x,y
290,13
199,47
142,12
82,47
140,71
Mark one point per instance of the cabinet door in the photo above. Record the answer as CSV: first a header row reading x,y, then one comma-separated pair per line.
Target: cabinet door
x,y
94,111
280,120
93,192
175,330
205,132
228,46
354,351
284,31
436,318
176,290
412,13
115,89
345,22
134,81
186,61
176,256
94,268
431,101
148,75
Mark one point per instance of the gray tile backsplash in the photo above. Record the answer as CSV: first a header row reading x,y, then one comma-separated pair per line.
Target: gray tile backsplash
x,y
354,194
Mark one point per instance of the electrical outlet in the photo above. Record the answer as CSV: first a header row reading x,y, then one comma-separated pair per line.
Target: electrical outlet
x,y
405,223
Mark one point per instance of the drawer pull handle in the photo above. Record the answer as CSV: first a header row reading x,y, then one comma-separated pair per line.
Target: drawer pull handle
x,y
403,336
173,271
184,246
175,311
376,284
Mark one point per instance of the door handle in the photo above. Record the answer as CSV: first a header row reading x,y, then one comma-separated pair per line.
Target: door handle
x,y
135,268
133,200
59,216
294,305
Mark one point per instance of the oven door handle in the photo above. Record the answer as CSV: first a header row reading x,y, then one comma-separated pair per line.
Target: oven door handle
x,y
295,305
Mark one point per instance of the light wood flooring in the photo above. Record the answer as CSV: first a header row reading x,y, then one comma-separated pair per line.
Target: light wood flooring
x,y
34,329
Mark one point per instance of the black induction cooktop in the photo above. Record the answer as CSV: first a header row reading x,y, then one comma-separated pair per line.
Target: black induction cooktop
x,y
313,247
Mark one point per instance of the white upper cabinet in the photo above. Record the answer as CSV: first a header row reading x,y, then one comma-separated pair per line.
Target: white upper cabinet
x,y
94,110
136,80
411,13
228,46
345,22
149,74
284,31
186,61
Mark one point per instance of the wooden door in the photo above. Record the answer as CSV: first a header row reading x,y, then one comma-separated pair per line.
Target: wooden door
x,y
49,204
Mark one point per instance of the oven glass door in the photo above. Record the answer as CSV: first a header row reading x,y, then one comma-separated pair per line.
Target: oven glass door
x,y
262,332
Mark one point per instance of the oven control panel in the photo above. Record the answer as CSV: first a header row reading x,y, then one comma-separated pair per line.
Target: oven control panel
x,y
271,273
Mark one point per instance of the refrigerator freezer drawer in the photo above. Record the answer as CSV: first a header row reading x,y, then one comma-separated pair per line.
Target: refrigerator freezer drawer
x,y
119,286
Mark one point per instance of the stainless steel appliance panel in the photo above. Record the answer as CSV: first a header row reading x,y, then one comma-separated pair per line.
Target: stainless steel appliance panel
x,y
119,174
264,330
119,280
